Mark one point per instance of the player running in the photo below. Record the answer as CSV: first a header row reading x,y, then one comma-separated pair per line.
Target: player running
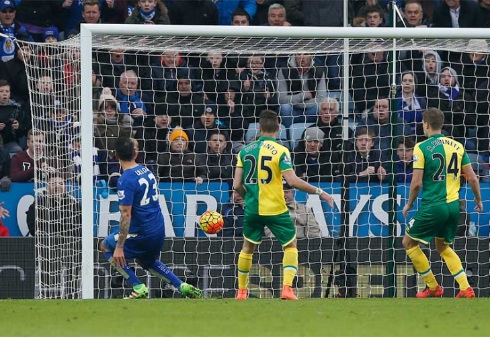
x,y
141,227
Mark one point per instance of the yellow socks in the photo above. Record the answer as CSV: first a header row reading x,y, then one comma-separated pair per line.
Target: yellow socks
x,y
290,265
244,266
421,264
455,267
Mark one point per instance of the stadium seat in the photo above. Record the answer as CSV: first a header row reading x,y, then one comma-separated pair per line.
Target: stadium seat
x,y
295,132
252,131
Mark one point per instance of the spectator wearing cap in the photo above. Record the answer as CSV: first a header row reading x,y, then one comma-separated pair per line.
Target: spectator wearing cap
x,y
184,106
153,138
219,158
179,164
110,123
10,27
51,35
311,163
201,129
303,217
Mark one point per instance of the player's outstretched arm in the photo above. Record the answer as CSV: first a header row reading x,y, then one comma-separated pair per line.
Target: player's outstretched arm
x,y
297,183
472,179
415,187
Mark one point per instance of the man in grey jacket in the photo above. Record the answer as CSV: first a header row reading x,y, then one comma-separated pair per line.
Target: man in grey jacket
x,y
303,217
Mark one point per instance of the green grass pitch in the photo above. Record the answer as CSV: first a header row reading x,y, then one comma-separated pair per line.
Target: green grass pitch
x,y
254,317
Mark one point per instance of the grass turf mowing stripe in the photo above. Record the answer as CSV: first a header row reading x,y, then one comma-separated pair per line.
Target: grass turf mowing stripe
x,y
254,317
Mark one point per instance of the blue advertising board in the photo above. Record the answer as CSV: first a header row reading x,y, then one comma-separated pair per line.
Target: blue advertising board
x,y
182,203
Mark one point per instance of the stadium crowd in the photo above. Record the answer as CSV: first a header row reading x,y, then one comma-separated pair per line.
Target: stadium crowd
x,y
191,113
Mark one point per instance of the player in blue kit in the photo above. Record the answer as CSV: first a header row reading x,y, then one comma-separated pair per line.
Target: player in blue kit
x,y
141,227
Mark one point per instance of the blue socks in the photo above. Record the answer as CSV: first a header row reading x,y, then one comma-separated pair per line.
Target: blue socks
x,y
160,270
125,271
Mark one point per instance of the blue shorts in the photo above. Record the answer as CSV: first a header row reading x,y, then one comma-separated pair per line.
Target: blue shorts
x,y
145,248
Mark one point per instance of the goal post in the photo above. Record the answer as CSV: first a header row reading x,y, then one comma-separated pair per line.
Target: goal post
x,y
344,242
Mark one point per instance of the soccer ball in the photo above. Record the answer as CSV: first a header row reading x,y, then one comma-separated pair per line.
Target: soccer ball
x,y
211,222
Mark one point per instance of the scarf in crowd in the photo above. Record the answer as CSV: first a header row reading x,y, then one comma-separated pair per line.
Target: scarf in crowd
x,y
129,103
450,92
147,16
412,113
77,162
7,48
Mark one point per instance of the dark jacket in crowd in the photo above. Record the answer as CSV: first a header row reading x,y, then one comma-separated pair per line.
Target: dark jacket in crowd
x,y
180,166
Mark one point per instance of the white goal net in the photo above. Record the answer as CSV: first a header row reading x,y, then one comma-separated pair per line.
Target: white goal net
x,y
350,111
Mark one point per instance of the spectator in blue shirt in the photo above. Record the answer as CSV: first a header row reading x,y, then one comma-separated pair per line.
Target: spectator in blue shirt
x,y
227,7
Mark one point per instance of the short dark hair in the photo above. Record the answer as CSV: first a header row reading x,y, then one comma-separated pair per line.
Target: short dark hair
x,y
218,132
365,131
125,149
4,83
268,121
373,9
434,117
241,12
407,141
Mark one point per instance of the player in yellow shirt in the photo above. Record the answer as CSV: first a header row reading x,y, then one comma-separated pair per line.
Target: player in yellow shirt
x,y
260,169
438,163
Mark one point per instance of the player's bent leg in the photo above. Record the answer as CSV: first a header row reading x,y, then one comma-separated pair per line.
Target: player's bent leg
x,y
140,290
421,264
244,265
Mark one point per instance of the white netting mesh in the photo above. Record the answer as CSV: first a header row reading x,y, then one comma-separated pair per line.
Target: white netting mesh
x,y
147,86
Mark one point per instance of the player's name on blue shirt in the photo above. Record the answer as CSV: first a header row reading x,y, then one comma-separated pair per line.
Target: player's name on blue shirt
x,y
138,187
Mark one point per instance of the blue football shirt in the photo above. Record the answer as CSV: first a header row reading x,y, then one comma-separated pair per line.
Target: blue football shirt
x,y
138,188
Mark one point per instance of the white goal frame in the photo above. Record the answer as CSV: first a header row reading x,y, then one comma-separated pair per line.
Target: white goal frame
x,y
87,30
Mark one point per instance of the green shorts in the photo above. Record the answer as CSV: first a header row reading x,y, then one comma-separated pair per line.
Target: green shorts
x,y
281,226
440,221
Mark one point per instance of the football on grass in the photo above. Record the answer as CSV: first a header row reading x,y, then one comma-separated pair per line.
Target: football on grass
x,y
211,222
